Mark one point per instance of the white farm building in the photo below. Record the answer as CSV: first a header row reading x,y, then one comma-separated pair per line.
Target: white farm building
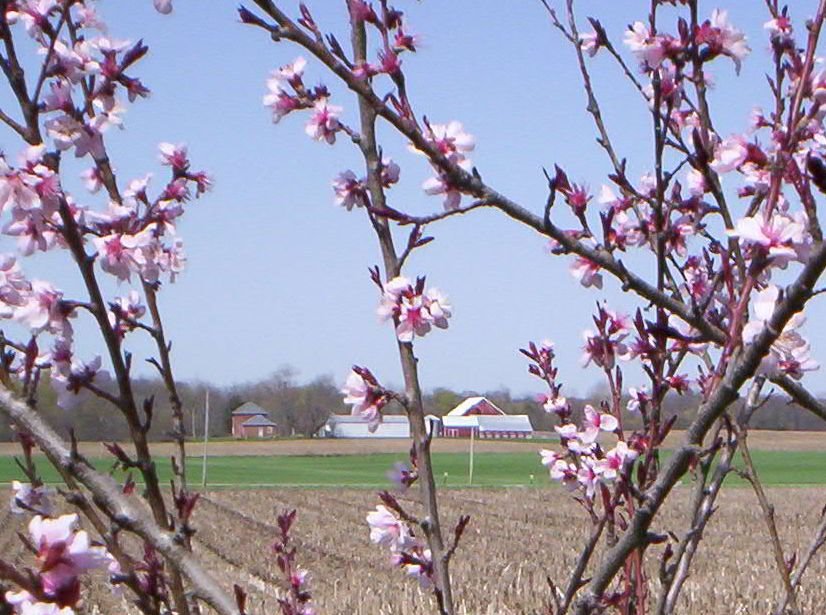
x,y
346,426
484,419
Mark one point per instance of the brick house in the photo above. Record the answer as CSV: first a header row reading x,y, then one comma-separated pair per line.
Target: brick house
x,y
250,420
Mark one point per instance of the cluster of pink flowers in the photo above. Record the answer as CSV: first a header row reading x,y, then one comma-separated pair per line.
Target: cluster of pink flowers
x,y
585,463
389,529
287,93
542,366
414,309
352,192
605,345
64,553
453,143
716,35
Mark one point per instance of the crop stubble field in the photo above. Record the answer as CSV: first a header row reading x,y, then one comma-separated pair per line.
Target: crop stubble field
x,y
516,538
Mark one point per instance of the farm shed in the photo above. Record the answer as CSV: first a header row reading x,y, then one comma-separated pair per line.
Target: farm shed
x,y
250,420
484,419
346,426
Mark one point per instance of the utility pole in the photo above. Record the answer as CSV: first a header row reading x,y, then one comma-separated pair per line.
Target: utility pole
x,y
206,441
470,473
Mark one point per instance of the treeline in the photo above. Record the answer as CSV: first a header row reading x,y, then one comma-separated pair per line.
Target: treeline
x,y
302,408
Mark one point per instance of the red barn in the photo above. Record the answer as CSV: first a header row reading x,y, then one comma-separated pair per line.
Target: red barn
x,y
250,420
484,419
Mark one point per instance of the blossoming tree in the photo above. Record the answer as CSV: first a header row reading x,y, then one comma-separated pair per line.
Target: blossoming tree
x,y
720,315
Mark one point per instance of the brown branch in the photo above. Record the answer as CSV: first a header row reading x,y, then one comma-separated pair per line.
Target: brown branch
x,y
818,540
179,431
431,525
766,507
801,396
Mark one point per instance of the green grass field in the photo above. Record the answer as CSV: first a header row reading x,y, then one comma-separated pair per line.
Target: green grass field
x,y
490,470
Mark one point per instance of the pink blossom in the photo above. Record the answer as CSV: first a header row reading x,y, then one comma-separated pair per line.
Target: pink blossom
x,y
695,182
595,422
34,14
174,156
414,318
602,351
418,565
441,184
26,604
92,180
795,361
780,235
729,154
590,43
639,398
588,477
43,309
451,140
649,49
126,310
609,467
763,305
71,388
350,191
557,404
324,123
387,529
278,99
63,552
587,272
780,28
549,457
722,38
438,306
27,499
16,188
13,285
33,232
390,172
118,254
363,393
413,309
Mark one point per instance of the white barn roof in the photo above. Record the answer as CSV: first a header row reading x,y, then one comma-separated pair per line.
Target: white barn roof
x,y
471,402
509,422
348,418
486,423
346,426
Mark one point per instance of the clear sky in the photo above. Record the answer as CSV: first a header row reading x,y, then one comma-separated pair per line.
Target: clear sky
x,y
278,274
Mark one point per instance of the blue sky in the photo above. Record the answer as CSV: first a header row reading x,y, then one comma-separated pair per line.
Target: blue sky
x,y
278,274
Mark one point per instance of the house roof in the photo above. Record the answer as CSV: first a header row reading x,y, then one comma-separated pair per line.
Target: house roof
x,y
258,421
490,423
249,409
471,402
348,418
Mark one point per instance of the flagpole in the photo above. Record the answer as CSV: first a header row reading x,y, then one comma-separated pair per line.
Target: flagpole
x,y
206,441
